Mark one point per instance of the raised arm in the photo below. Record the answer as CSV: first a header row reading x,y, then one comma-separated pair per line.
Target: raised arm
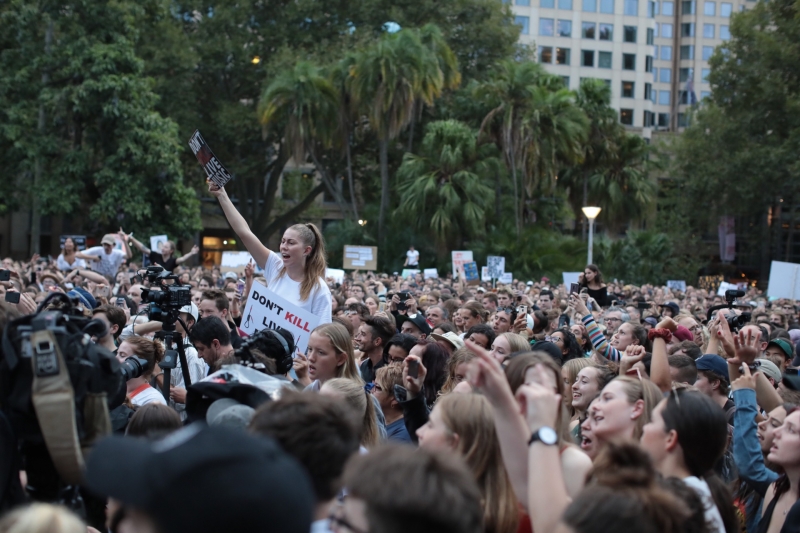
x,y
239,225
595,335
124,238
185,257
137,243
659,364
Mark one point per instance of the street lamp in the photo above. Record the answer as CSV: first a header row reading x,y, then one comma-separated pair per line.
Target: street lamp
x,y
362,222
591,213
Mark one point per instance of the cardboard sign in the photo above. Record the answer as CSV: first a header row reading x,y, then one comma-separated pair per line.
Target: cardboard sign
x,y
79,240
431,273
496,265
677,285
725,286
506,278
157,242
267,310
409,273
459,259
485,274
570,278
336,274
471,273
236,261
784,280
215,171
360,257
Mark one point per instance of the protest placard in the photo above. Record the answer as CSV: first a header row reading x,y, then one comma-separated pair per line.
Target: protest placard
x,y
233,261
157,242
497,265
409,273
79,240
784,280
215,171
506,278
570,277
485,274
677,285
336,274
471,273
430,273
725,286
459,259
267,310
360,257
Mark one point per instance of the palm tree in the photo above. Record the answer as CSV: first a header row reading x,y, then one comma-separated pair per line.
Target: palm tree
x,y
386,82
445,188
508,93
339,76
305,100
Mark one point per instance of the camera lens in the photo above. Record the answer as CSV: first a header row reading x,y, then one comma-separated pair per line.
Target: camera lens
x,y
132,367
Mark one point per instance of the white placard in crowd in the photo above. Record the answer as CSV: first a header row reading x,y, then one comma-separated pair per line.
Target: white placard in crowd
x,y
570,278
267,310
784,280
431,273
506,278
157,242
677,285
459,258
725,286
497,265
236,261
485,274
409,273
336,273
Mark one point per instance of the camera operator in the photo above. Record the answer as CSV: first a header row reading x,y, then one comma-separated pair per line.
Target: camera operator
x,y
139,390
114,318
212,339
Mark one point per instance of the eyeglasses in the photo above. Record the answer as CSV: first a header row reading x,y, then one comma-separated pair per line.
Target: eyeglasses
x,y
553,339
612,319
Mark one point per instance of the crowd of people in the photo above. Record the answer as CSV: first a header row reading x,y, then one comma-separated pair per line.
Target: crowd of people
x,y
433,404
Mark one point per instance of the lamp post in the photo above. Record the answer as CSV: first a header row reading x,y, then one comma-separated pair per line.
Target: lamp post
x,y
591,213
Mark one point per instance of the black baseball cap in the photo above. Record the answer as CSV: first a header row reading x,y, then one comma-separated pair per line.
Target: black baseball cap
x,y
204,479
418,320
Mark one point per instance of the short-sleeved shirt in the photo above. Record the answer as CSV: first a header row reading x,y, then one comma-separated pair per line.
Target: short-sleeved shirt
x,y
413,257
109,263
318,302
158,259
146,394
64,265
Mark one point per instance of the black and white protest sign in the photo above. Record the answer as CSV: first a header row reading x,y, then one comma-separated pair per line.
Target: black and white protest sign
x,y
215,171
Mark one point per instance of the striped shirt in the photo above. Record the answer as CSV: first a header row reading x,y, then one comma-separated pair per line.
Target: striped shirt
x,y
599,340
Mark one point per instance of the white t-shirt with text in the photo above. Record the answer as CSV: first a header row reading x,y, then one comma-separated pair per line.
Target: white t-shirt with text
x,y
318,302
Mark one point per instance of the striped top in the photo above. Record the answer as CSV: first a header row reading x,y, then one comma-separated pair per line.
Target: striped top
x,y
599,340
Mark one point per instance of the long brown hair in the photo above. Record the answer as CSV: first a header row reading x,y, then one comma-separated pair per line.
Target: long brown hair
x,y
470,416
342,343
316,262
460,356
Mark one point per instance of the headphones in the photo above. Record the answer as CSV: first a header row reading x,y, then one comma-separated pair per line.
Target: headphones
x,y
283,361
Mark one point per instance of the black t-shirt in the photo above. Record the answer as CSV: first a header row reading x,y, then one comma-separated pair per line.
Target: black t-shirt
x,y
158,259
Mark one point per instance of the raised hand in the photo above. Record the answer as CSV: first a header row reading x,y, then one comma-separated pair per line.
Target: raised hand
x,y
414,385
667,323
745,381
539,404
485,374
216,191
746,345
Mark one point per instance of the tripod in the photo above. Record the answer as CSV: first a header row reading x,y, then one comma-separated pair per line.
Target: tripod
x,y
168,335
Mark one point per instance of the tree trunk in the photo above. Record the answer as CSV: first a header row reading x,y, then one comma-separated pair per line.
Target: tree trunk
x,y
585,203
36,206
411,129
790,231
517,224
384,163
350,178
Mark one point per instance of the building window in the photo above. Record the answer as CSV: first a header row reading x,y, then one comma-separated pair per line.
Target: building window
x,y
628,89
565,80
687,7
648,63
628,61
545,54
683,97
705,94
663,120
683,74
648,119
710,9
562,56
606,32
687,52
663,97
522,2
548,3
587,58
648,91
626,116
666,53
546,27
665,75
666,31
708,31
629,34
525,23
606,6
704,74
604,59
632,8
650,35
590,6
725,9
687,29
683,120
587,30
724,32
708,51
565,28
565,4
667,8
652,9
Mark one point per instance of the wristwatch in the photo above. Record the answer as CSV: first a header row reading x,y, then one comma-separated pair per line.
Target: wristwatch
x,y
545,435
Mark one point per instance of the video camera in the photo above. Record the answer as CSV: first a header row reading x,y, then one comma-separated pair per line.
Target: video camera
x,y
166,302
736,322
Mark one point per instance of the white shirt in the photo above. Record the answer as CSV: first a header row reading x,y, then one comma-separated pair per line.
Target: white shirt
x,y
109,263
147,395
318,302
64,265
413,257
713,518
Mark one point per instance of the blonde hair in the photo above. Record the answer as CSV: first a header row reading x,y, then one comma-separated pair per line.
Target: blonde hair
x,y
573,366
516,342
41,518
470,416
315,263
342,343
361,402
388,376
460,356
641,389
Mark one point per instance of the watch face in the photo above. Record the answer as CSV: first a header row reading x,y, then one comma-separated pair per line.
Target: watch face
x,y
548,435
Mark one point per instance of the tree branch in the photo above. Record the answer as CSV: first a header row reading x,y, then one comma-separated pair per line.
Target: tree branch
x,y
298,208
